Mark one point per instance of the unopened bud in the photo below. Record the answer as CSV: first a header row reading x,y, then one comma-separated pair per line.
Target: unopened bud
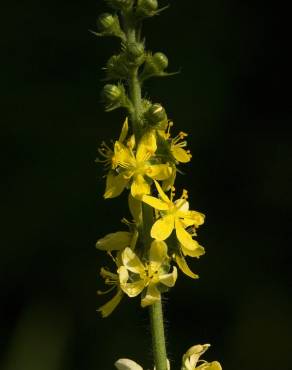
x,y
155,114
109,25
147,8
120,4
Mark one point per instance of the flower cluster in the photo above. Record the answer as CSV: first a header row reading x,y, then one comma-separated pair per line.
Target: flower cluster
x,y
190,361
145,168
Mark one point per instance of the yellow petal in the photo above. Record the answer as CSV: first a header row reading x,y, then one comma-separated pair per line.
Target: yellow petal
x,y
180,154
184,237
162,194
135,206
108,308
123,155
191,357
215,365
155,203
146,147
159,171
182,264
157,254
197,252
169,182
162,228
115,184
169,279
114,241
124,131
132,262
139,187
152,295
131,289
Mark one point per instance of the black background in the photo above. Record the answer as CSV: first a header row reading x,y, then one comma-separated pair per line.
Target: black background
x,y
233,97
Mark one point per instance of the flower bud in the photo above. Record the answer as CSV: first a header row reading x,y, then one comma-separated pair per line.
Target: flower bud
x,y
111,93
160,60
155,114
106,22
154,66
146,8
114,96
109,25
116,68
135,53
120,4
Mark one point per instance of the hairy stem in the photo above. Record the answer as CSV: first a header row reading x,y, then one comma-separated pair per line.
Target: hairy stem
x,y
156,314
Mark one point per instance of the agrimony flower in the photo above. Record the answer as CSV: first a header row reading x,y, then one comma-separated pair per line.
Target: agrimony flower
x,y
136,168
111,279
190,359
175,215
135,276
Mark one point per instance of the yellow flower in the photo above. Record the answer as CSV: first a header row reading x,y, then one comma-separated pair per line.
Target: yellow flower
x,y
191,358
136,276
107,153
175,215
177,144
136,168
113,280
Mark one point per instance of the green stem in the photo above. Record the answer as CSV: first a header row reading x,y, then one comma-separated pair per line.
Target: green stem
x,y
156,314
158,338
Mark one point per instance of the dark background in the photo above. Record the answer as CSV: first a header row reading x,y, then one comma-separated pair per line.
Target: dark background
x,y
233,97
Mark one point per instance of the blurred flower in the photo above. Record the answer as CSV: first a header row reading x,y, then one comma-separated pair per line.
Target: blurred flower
x,y
190,359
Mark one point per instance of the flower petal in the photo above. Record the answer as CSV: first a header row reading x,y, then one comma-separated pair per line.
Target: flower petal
x,y
155,203
114,241
163,227
182,264
139,187
146,147
152,296
197,252
184,237
159,171
126,364
157,254
191,357
169,279
162,194
215,365
124,131
115,184
108,308
132,262
180,154
133,289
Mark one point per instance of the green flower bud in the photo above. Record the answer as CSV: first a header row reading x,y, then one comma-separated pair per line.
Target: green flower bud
x,y
106,22
116,68
155,114
120,4
114,96
154,66
135,53
111,93
146,8
109,25
160,60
